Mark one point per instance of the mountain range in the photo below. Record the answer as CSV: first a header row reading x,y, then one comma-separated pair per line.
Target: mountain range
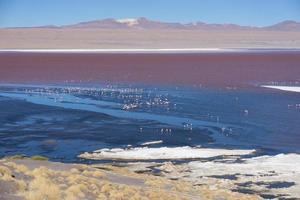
x,y
145,33
146,24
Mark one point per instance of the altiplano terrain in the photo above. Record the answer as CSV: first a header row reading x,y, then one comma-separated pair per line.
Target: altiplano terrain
x,y
144,33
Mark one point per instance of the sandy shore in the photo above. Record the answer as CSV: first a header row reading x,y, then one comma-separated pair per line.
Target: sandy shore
x,y
35,180
154,50
39,38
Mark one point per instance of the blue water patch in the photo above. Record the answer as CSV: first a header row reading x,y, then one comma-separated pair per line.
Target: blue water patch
x,y
121,116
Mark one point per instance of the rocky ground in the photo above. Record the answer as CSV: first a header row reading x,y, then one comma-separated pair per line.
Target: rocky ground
x,y
242,171
270,177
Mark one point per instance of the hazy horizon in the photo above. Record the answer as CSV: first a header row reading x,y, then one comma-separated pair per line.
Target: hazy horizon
x,y
129,19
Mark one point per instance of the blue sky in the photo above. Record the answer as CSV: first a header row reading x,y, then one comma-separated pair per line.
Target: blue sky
x,y
59,12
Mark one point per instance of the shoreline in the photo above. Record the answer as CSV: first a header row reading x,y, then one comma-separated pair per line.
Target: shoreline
x,y
33,179
153,50
229,177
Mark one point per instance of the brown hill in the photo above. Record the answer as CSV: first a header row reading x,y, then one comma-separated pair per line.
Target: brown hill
x,y
146,24
285,26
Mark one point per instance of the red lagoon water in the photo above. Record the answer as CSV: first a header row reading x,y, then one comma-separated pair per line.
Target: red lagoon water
x,y
208,69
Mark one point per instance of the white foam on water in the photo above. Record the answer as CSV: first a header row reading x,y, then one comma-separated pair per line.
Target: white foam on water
x,y
165,153
283,88
152,142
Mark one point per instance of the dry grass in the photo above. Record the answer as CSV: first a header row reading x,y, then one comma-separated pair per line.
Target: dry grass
x,y
86,182
18,168
93,173
42,188
21,156
5,174
42,158
76,191
16,157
